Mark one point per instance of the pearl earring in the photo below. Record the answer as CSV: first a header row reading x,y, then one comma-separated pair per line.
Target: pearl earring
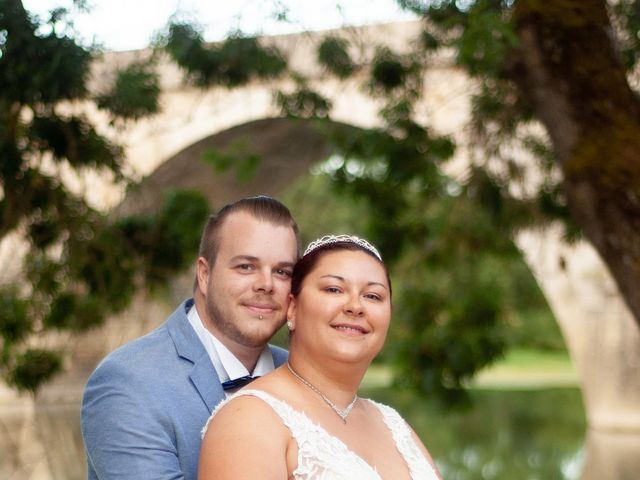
x,y
289,324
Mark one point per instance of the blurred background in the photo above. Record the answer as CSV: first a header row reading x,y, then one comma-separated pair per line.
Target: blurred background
x,y
490,148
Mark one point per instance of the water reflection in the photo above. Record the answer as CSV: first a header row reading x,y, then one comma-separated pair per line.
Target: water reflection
x,y
612,455
505,435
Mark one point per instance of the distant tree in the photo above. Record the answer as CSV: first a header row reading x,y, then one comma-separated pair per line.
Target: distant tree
x,y
81,265
572,66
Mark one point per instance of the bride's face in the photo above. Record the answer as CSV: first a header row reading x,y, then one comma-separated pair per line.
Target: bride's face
x,y
343,309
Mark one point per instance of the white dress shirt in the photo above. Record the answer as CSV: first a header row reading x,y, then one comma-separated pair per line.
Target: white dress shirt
x,y
227,366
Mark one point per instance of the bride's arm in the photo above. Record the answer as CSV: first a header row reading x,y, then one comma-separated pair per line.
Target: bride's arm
x,y
245,440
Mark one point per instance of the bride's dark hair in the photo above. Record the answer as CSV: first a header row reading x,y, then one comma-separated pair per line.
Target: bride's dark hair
x,y
308,262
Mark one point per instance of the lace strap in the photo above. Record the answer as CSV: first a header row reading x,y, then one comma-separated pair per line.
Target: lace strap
x,y
406,445
284,411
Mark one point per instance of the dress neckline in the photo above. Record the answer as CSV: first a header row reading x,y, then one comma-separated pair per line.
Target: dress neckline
x,y
324,431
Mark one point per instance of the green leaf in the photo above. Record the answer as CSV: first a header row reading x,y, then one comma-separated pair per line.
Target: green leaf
x,y
232,63
15,322
237,156
389,71
333,55
485,41
32,368
62,65
77,313
134,94
303,103
75,140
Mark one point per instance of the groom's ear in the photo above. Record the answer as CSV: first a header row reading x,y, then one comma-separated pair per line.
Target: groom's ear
x,y
202,274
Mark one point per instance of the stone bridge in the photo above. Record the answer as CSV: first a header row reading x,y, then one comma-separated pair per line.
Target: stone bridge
x,y
164,151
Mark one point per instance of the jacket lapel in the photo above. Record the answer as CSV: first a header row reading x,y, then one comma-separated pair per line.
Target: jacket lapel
x,y
188,347
206,381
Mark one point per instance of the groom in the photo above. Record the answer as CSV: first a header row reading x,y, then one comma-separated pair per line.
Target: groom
x,y
145,404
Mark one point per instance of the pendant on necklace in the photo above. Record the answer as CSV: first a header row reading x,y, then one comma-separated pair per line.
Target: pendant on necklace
x,y
342,413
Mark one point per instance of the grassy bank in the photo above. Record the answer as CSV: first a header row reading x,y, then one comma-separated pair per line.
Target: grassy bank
x,y
519,369
528,369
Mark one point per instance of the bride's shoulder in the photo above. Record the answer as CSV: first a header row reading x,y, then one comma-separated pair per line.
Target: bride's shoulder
x,y
242,410
385,409
244,423
390,415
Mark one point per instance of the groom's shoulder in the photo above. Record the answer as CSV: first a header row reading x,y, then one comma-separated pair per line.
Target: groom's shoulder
x,y
140,348
152,349
280,355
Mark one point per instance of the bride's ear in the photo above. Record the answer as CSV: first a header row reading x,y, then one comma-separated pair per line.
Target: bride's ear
x,y
291,312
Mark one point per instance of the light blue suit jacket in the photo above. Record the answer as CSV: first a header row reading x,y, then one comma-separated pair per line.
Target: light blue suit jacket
x,y
146,403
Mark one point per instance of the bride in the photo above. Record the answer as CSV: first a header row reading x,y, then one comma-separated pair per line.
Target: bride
x,y
305,419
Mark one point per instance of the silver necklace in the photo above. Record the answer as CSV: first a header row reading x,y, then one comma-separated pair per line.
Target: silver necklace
x,y
340,412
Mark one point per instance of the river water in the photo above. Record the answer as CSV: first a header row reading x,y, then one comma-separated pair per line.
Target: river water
x,y
504,434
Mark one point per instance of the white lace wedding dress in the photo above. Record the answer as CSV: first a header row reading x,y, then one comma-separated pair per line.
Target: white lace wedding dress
x,y
322,456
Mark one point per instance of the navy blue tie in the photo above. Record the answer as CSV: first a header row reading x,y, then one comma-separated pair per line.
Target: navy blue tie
x,y
238,382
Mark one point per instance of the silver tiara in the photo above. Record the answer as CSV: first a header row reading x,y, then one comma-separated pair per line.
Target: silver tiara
x,y
327,239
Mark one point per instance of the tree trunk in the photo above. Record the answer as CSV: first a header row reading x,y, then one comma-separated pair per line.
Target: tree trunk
x,y
569,71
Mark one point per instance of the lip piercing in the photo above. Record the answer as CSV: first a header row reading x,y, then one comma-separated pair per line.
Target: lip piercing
x,y
260,317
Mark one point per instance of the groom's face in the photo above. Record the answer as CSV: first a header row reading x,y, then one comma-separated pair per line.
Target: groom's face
x,y
246,290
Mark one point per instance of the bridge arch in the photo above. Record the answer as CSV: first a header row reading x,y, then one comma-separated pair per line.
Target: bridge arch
x,y
286,149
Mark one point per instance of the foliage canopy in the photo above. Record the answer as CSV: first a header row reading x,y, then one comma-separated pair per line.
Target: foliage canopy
x,y
81,265
451,240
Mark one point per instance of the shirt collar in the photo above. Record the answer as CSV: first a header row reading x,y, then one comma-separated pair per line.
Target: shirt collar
x,y
227,366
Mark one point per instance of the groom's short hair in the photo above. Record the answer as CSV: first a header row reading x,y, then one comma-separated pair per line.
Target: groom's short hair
x,y
261,207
